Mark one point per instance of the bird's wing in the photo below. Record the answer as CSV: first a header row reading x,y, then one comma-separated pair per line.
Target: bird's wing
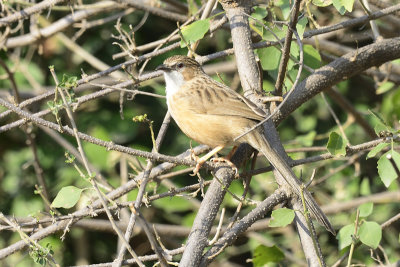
x,y
227,102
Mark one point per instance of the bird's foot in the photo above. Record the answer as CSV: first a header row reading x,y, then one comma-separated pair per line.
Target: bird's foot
x,y
202,160
199,163
230,164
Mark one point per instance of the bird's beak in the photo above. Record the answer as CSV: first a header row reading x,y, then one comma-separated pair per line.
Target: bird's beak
x,y
163,67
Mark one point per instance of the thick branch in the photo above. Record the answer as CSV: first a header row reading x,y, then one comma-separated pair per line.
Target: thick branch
x,y
338,70
208,210
250,79
230,236
237,13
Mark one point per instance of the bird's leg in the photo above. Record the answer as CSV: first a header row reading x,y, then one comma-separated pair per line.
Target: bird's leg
x,y
200,161
230,154
227,160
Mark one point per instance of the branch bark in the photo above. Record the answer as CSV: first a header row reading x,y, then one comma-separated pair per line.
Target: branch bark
x,y
237,12
25,13
208,210
351,64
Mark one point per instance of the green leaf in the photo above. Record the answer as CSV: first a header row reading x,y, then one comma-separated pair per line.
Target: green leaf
x,y
366,209
294,51
194,31
370,234
69,81
386,171
376,150
343,5
268,86
378,117
257,27
269,57
336,145
67,197
348,5
312,58
285,7
281,217
259,13
345,236
322,3
277,32
384,87
256,20
301,26
263,255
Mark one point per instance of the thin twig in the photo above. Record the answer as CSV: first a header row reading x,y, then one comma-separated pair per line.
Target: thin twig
x,y
337,121
286,48
89,172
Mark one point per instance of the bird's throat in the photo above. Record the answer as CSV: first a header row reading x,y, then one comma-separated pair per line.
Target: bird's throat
x,y
173,81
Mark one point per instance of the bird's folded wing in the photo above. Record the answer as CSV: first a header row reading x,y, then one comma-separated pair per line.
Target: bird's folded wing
x,y
232,103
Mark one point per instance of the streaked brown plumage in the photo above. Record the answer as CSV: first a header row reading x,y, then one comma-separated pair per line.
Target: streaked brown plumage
x,y
213,114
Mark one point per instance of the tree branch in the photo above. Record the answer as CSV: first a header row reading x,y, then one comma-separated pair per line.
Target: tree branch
x,y
25,13
338,70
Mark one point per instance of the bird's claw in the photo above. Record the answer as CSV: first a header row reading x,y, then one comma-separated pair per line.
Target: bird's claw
x,y
196,169
199,163
202,160
230,164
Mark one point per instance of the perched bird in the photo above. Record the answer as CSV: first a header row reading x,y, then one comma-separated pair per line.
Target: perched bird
x,y
213,114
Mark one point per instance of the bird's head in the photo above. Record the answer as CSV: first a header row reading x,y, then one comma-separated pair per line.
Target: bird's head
x,y
179,69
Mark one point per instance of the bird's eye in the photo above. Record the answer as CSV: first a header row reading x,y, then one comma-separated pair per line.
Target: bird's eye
x,y
180,65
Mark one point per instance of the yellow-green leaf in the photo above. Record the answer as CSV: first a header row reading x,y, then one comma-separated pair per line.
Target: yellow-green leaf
x,y
336,145
269,57
301,26
194,31
366,209
322,3
386,170
376,150
263,255
370,234
344,236
343,5
67,197
281,217
384,87
312,58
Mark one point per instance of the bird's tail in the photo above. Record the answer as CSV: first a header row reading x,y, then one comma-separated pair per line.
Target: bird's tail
x,y
257,140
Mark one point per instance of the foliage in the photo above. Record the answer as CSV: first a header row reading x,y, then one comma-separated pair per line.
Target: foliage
x,y
367,232
263,255
336,144
281,217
